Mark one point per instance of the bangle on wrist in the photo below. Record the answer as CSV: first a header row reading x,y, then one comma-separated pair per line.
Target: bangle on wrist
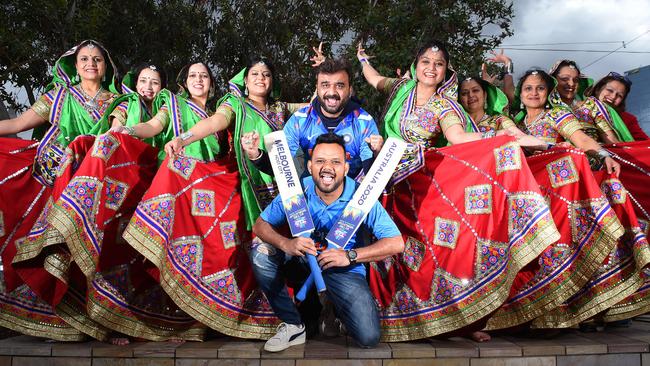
x,y
186,135
261,152
510,68
603,154
129,130
488,134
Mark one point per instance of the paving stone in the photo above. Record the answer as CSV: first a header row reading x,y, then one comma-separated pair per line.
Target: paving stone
x,y
577,345
498,347
428,362
454,347
328,362
76,349
383,350
51,361
632,333
278,362
25,346
331,348
618,344
133,362
519,361
292,352
101,349
414,349
630,359
538,347
155,349
150,362
645,359
240,349
66,361
109,361
218,362
207,350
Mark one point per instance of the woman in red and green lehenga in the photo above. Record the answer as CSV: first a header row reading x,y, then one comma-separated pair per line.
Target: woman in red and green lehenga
x,y
588,225
634,157
93,211
472,215
194,221
599,120
478,97
72,107
622,271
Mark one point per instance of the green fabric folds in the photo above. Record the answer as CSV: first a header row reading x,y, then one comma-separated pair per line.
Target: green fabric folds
x,y
237,85
394,110
65,72
247,120
75,121
138,113
181,118
622,133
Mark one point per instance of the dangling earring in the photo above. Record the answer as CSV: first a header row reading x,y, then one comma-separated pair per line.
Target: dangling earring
x,y
521,105
76,79
104,78
246,90
485,105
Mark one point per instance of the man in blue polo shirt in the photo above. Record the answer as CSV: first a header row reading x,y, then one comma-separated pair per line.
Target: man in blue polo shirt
x,y
327,191
334,110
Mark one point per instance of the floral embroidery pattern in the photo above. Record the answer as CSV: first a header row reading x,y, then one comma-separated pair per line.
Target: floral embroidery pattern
x,y
478,199
203,202
507,157
413,254
562,172
182,166
105,145
189,251
446,232
229,234
614,191
115,193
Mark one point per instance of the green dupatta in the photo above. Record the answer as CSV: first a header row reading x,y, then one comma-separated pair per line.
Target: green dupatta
x,y
553,100
621,130
584,82
496,102
72,119
403,93
247,120
183,114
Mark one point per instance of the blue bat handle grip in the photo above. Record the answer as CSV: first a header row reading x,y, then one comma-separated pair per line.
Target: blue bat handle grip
x,y
316,273
302,294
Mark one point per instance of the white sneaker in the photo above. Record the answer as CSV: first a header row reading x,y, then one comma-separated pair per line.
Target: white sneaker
x,y
287,335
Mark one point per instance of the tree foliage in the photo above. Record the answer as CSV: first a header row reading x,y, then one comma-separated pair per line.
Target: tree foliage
x,y
225,33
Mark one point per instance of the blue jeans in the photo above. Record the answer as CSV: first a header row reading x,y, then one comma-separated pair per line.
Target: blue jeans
x,y
349,292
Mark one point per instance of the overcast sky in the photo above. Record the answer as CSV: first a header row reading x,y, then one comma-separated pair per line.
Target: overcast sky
x,y
556,21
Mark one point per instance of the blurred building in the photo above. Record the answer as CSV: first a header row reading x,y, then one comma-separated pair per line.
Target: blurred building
x,y
638,102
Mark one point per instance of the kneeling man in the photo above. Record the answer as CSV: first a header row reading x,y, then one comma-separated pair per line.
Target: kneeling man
x,y
327,191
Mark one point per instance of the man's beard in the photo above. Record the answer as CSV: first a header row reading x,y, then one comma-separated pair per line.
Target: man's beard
x,y
335,185
341,106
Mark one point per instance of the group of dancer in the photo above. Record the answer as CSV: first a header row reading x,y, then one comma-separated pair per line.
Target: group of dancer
x,y
138,212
